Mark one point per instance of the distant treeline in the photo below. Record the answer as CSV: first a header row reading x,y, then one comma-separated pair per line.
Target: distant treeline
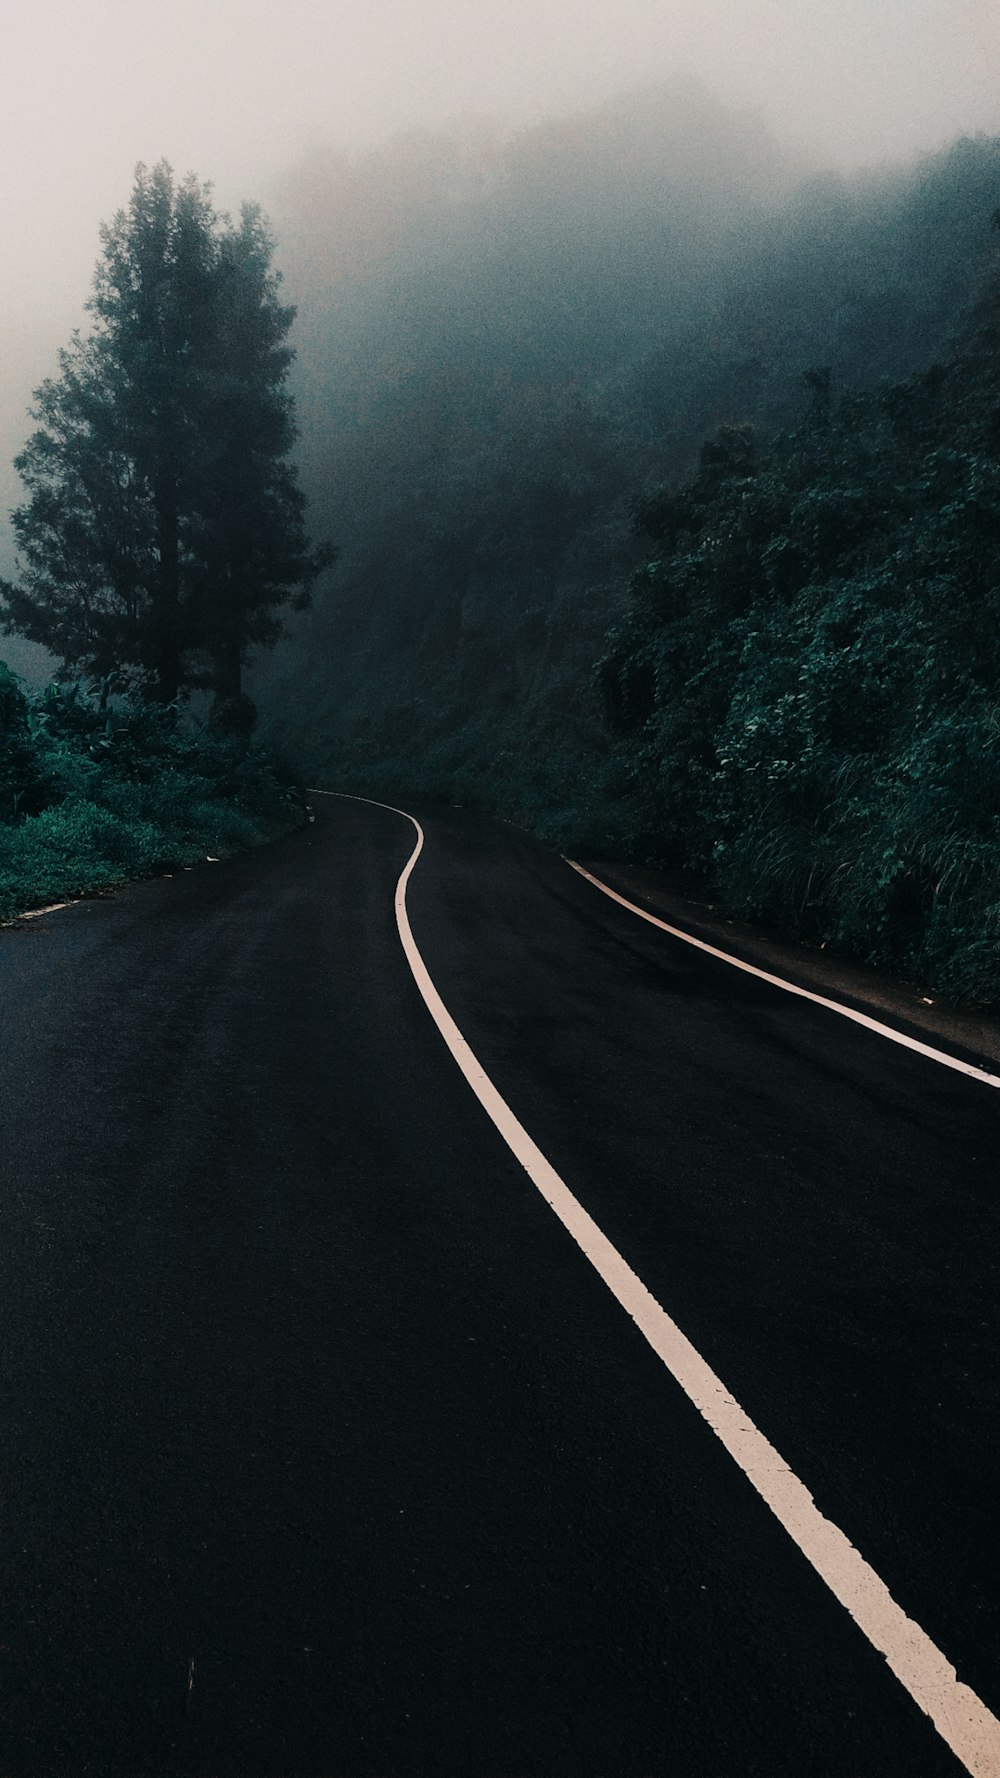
x,y
501,372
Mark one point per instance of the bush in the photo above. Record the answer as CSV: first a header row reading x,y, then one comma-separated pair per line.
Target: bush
x,y
93,795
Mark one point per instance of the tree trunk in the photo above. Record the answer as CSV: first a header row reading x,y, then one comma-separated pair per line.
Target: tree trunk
x,y
228,670
233,713
168,663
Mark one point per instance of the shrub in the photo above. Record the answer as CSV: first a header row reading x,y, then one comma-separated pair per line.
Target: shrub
x,y
96,793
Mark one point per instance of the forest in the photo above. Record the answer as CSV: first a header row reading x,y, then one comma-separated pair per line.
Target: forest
x,y
664,471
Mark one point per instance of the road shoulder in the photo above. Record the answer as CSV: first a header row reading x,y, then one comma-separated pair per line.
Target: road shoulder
x,y
911,1006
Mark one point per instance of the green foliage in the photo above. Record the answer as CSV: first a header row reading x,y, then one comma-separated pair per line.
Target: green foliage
x,y
20,767
99,791
806,684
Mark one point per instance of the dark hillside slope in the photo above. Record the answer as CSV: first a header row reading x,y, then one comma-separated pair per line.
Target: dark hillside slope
x,y
502,344
806,683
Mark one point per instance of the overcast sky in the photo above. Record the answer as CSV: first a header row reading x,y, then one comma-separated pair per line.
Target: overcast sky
x,y
233,89
236,89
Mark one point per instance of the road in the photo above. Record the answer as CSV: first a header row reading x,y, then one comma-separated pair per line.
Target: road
x,y
328,1454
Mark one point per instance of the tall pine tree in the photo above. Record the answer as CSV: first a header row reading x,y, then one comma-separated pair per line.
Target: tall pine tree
x,y
164,528
252,554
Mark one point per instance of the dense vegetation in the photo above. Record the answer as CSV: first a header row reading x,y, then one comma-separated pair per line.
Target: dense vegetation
x,y
93,793
806,684
507,350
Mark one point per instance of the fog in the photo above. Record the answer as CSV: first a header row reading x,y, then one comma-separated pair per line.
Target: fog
x,y
241,90
237,88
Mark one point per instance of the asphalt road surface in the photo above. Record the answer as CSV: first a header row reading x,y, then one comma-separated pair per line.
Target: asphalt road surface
x,y
326,1453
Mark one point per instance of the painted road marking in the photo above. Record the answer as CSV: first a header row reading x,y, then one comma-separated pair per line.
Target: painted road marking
x,y
960,1717
777,981
36,913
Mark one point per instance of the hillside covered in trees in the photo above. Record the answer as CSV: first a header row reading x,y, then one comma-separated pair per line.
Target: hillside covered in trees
x,y
805,687
770,660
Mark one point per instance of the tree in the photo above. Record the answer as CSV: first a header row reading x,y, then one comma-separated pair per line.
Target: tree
x,y
252,553
164,527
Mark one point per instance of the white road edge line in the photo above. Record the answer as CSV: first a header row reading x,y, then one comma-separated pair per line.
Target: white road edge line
x,y
36,913
960,1717
777,981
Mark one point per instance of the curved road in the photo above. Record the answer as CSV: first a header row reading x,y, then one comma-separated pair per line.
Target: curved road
x,y
326,1453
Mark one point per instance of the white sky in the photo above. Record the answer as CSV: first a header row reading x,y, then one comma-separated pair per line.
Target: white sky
x,y
235,89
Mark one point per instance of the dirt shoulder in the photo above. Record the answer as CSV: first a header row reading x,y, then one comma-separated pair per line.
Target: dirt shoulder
x,y
910,1006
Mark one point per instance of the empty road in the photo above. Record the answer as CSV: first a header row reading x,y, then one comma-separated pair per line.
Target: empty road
x,y
326,1451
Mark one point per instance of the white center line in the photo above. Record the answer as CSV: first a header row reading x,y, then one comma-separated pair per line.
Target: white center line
x,y
959,1715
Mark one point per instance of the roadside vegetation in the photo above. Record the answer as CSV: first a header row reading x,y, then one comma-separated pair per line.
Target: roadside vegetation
x,y
805,685
95,793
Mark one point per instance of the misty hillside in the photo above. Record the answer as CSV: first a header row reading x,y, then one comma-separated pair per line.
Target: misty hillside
x,y
804,688
503,343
